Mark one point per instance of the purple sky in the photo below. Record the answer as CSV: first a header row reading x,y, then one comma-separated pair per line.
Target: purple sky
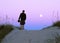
x,y
33,8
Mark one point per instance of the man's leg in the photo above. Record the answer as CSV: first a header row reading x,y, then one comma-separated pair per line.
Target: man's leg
x,y
21,27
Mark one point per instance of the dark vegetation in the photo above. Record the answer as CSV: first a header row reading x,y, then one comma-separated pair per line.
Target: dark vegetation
x,y
57,24
4,30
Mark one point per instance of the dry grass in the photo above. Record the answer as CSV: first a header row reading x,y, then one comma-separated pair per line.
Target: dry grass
x,y
4,30
57,24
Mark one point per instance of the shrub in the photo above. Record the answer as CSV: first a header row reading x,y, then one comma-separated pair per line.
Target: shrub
x,y
4,30
57,24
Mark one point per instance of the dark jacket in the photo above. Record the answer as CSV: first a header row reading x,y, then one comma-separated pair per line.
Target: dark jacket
x,y
22,18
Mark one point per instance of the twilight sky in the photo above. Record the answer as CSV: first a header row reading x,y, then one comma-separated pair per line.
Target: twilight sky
x,y
40,13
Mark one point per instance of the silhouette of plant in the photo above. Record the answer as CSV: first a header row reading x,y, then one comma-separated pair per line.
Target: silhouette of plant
x,y
57,24
4,30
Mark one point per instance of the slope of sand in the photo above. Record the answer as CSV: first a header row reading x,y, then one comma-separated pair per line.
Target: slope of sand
x,y
32,36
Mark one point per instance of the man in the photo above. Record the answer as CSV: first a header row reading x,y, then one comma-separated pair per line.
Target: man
x,y
22,19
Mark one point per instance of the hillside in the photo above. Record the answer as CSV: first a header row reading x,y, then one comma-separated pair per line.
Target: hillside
x,y
47,35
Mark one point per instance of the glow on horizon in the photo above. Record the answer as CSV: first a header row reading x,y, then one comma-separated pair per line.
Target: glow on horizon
x,y
33,9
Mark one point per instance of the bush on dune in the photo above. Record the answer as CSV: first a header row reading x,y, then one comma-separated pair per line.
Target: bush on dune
x,y
57,24
4,30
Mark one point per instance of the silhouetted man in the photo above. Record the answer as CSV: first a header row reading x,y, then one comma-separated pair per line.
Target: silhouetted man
x,y
22,19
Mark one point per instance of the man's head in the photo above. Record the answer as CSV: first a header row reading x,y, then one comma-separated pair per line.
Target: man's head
x,y
23,11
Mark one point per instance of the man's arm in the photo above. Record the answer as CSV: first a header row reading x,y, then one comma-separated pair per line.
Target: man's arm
x,y
25,16
19,18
